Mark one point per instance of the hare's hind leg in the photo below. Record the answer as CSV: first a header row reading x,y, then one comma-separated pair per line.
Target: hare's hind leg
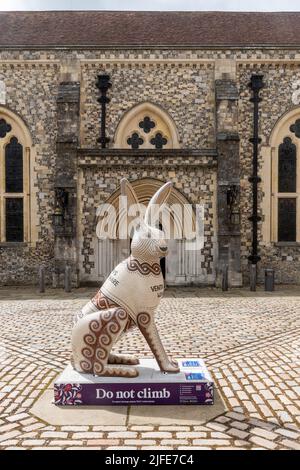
x,y
123,359
127,359
92,340
120,317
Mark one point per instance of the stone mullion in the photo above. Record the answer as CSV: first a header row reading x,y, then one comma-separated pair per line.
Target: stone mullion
x,y
228,186
65,179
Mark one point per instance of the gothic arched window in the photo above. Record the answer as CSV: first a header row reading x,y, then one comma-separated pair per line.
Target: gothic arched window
x,y
14,181
146,126
280,173
287,159
287,183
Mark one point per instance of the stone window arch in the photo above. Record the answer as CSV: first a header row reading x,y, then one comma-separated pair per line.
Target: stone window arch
x,y
281,180
15,162
146,126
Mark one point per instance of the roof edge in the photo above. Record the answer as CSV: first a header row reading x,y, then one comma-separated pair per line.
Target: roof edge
x,y
148,47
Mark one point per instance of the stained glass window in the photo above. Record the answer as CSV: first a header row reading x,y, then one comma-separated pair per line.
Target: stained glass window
x,y
14,167
286,219
14,219
287,166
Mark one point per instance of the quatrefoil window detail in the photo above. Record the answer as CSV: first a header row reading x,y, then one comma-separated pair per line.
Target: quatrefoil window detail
x,y
135,141
146,124
295,128
159,141
4,128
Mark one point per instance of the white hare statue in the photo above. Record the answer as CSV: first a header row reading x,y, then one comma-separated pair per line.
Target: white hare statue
x,y
127,298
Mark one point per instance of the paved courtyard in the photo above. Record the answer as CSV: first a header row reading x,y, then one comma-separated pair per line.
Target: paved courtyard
x,y
250,343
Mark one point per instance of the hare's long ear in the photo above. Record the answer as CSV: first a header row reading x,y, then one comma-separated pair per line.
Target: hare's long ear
x,y
127,190
159,198
133,215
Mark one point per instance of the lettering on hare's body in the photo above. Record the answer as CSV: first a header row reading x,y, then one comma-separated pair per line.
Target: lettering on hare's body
x,y
113,280
157,288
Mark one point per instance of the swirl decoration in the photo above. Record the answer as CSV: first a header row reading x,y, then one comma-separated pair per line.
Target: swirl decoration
x,y
98,367
102,302
86,366
143,268
143,319
90,339
99,340
101,354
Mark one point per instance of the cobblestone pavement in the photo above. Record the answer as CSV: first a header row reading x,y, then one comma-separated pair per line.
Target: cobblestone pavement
x,y
250,344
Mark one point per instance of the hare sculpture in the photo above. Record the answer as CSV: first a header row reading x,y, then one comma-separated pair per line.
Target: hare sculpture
x,y
129,297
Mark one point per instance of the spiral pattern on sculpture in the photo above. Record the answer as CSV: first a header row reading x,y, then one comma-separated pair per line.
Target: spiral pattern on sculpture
x,y
86,366
143,319
103,330
101,354
104,339
90,339
113,327
107,315
121,314
98,367
87,352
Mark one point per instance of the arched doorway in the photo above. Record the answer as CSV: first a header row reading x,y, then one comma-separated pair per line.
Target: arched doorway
x,y
180,267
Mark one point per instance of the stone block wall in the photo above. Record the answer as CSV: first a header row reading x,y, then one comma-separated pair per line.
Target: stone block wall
x,y
31,90
279,79
186,92
180,81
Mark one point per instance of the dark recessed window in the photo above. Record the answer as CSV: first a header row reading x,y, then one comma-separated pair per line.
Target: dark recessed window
x,y
286,219
135,141
159,141
14,219
4,128
147,124
295,128
287,166
14,167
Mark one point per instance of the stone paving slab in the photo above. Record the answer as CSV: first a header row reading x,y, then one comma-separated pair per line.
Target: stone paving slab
x,y
44,409
179,415
250,343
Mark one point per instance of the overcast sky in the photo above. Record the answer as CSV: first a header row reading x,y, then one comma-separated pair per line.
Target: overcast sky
x,y
233,5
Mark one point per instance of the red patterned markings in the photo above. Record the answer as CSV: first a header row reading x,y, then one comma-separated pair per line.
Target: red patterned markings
x,y
143,319
98,341
102,302
143,268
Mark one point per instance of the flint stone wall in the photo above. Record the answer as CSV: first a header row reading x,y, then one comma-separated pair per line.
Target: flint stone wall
x,y
173,79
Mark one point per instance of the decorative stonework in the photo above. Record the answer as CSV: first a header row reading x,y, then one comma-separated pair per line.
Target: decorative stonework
x,y
276,103
296,92
30,94
2,92
4,128
31,79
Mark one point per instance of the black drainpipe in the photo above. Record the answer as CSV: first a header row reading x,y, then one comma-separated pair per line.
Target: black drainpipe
x,y
256,84
103,84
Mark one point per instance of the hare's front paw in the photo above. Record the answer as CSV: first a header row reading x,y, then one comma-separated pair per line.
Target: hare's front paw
x,y
171,367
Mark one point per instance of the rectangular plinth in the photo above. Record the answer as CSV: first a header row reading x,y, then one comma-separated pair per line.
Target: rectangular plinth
x,y
193,385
